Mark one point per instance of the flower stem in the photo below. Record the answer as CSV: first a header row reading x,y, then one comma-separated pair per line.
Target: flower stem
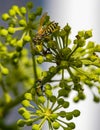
x,y
34,63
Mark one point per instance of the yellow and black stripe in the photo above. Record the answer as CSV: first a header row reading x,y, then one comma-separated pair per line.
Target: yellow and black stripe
x,y
52,27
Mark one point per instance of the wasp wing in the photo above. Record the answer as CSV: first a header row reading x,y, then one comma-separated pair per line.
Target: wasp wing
x,y
42,21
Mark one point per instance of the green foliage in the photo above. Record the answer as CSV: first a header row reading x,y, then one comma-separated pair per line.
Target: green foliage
x,y
23,49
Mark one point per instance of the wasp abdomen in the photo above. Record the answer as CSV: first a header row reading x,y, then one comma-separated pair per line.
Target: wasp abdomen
x,y
51,28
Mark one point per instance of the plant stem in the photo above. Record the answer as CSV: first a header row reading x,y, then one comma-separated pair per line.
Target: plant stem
x,y
34,63
42,122
73,51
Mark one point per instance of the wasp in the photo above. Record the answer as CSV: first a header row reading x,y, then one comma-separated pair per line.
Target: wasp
x,y
44,31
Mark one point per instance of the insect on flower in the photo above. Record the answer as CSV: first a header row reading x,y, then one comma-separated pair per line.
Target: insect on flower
x,y
44,31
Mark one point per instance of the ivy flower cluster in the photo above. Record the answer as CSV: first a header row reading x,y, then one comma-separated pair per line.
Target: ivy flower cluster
x,y
23,48
18,30
15,63
79,59
48,109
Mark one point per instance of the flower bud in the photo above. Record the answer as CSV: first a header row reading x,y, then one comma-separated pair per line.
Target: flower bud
x,y
23,10
53,116
20,122
26,38
69,115
97,48
15,8
30,5
81,34
76,113
88,34
12,12
53,99
4,70
11,30
4,32
65,104
49,57
38,11
22,22
19,45
56,125
28,96
41,99
90,45
29,122
26,115
60,101
76,99
71,125
5,17
62,114
96,99
40,59
21,110
39,48
25,103
48,93
32,16
35,127
62,33
67,28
